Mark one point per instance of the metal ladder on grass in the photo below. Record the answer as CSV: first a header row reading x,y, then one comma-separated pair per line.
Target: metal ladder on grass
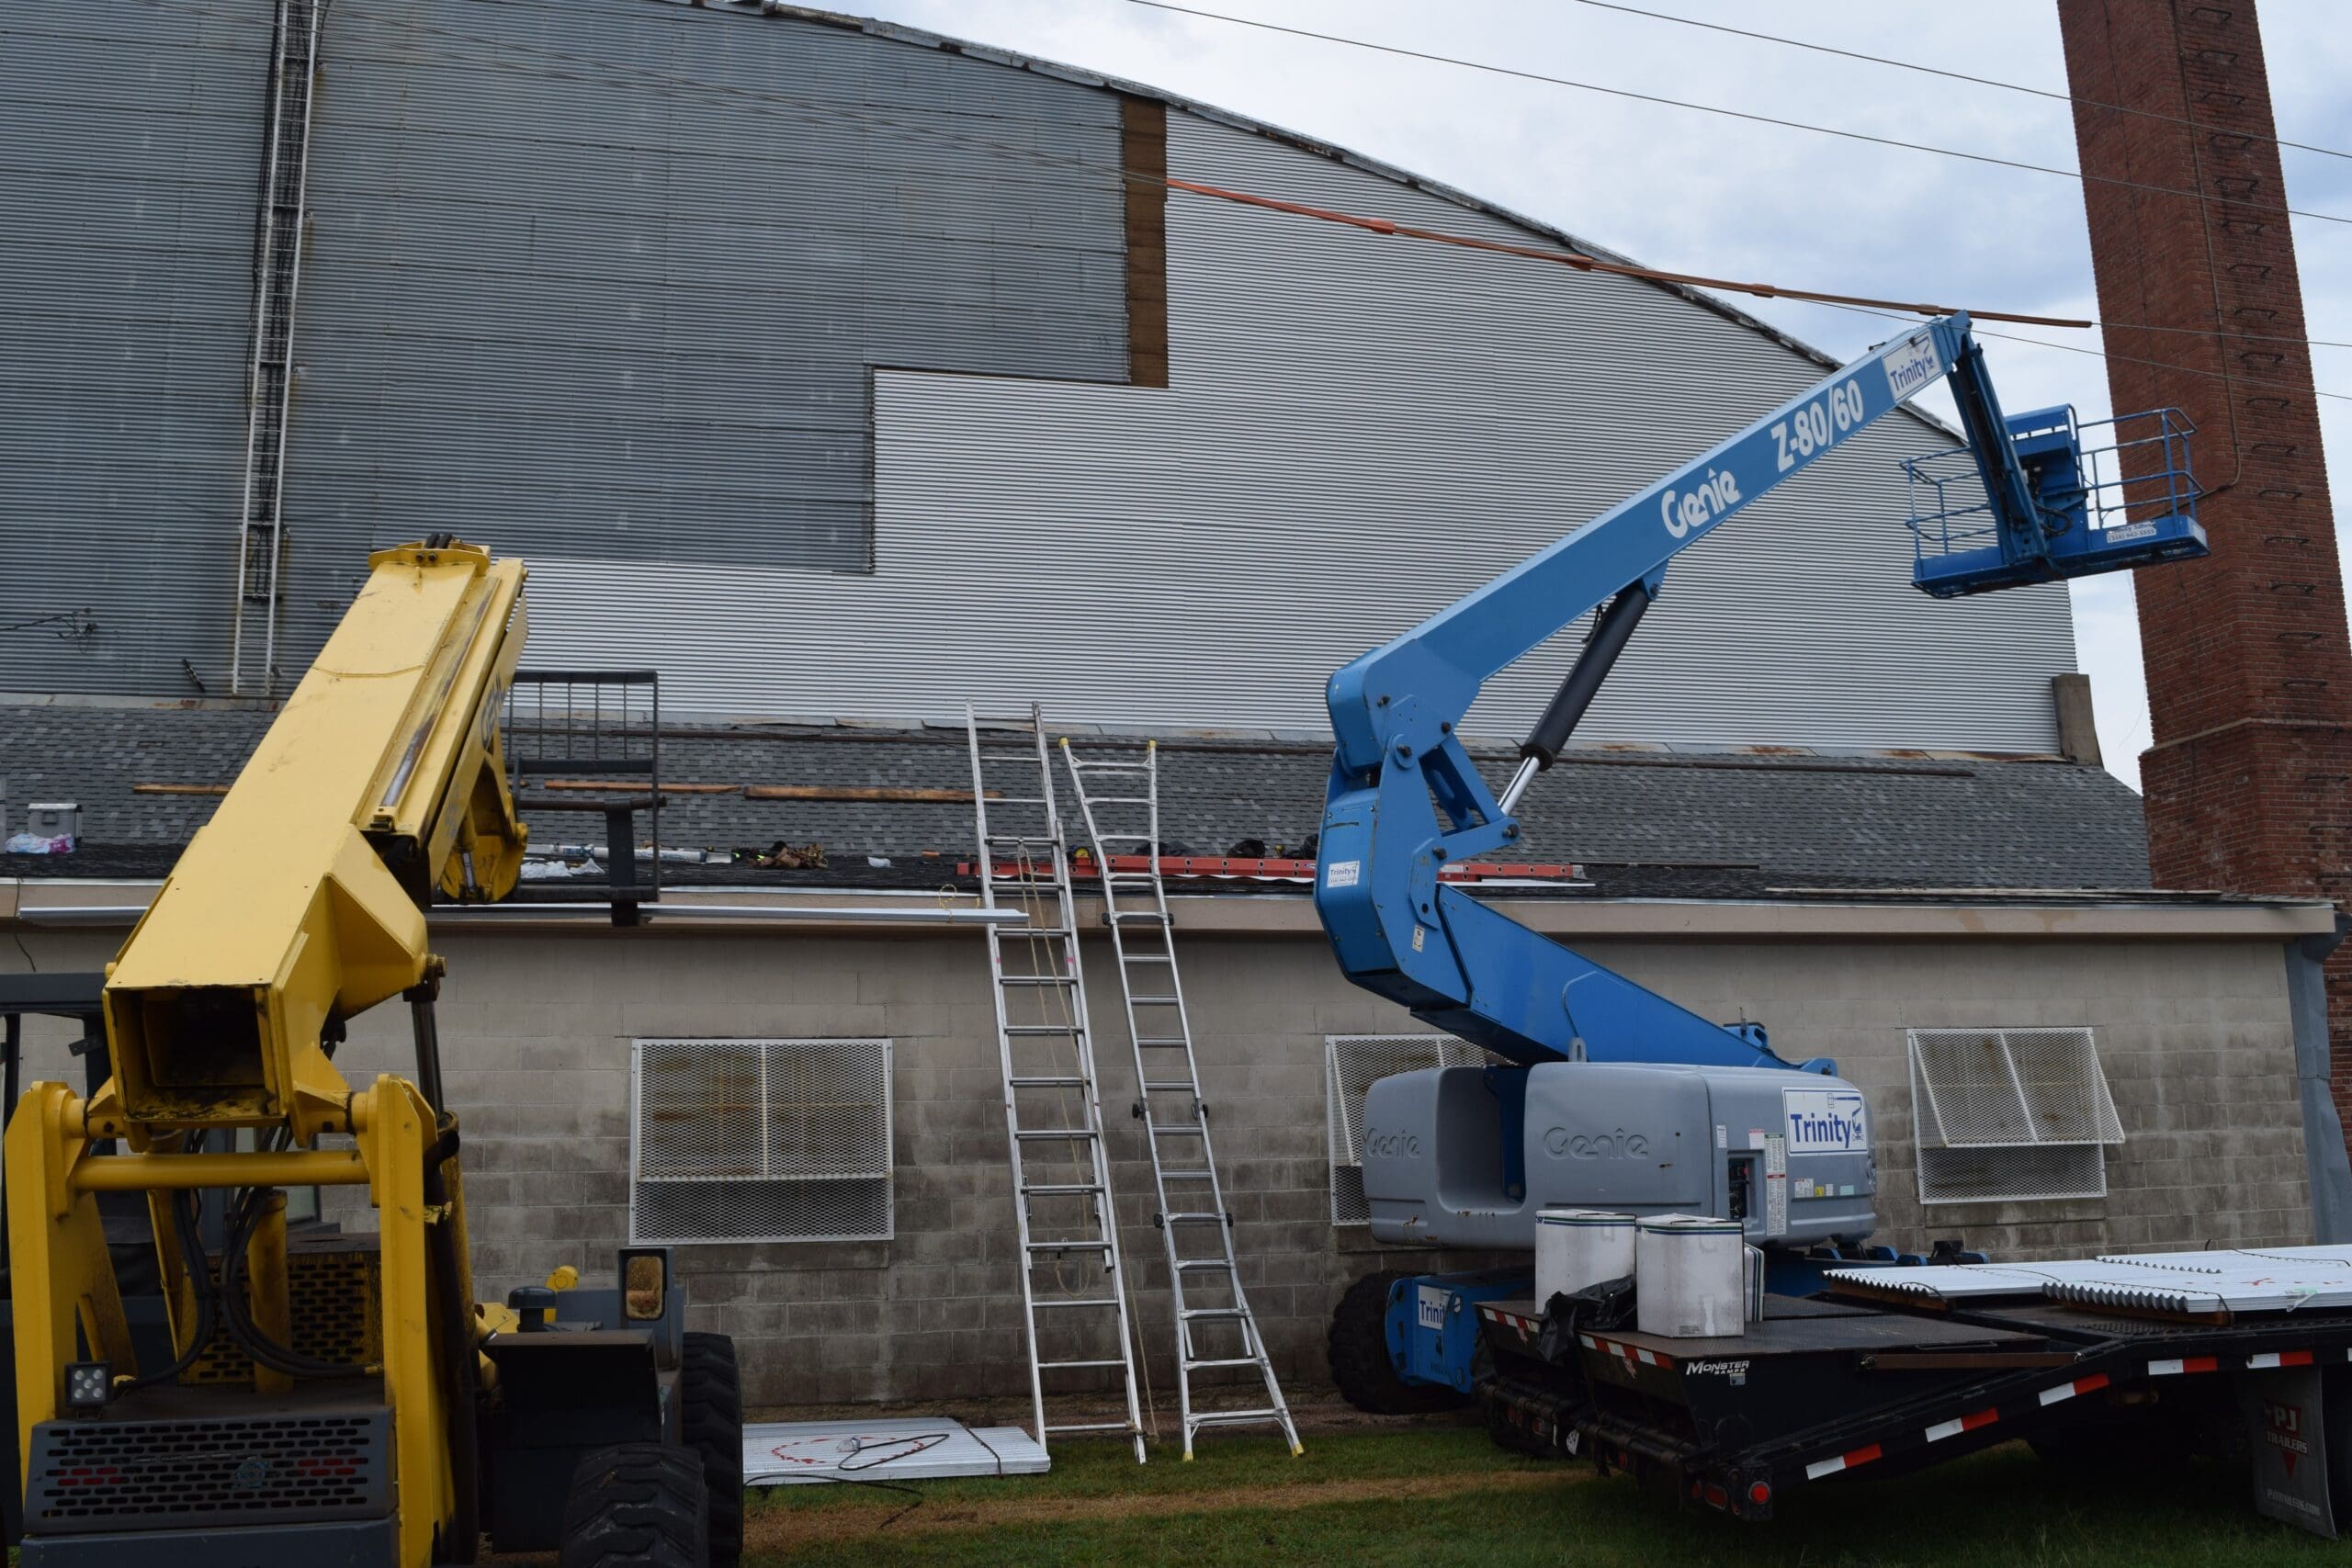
x,y
1215,1328
1053,1112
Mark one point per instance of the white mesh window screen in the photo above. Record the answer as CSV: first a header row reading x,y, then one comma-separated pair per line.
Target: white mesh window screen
x,y
2009,1114
1351,1064
760,1140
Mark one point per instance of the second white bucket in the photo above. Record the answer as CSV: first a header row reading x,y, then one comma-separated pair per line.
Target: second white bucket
x,y
1690,1277
1576,1248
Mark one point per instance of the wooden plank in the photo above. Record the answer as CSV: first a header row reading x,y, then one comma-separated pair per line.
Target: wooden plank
x,y
639,786
853,792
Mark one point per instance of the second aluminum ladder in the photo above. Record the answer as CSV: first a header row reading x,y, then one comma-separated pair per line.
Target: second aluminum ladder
x,y
1073,1290
1214,1329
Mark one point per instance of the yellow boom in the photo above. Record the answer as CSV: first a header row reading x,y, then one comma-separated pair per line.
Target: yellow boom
x,y
299,906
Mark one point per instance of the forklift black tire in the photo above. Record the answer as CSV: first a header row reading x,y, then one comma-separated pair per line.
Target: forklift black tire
x,y
1360,1363
710,1398
637,1506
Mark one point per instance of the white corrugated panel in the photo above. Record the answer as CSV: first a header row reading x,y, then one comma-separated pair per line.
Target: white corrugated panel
x,y
1360,430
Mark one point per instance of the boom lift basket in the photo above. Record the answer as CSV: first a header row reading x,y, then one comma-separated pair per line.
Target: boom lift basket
x,y
2112,493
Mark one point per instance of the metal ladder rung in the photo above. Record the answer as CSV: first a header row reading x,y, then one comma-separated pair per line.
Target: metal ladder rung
x,y
1035,980
1065,1366
1053,1135
1097,1245
1060,1188
1198,1186
1033,1031
1060,1301
1070,1082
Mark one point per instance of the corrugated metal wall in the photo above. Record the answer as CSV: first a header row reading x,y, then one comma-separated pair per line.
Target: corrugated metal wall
x,y
603,279
130,159
1359,430
605,283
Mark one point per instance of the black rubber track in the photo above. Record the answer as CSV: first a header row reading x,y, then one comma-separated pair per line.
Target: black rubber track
x,y
636,1505
1359,1364
710,1391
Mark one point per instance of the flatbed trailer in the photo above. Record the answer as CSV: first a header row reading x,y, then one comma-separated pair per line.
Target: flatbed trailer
x,y
1826,1389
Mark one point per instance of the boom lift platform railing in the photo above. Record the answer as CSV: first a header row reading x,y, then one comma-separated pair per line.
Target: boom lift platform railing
x,y
1216,1330
2107,493
589,727
1073,1287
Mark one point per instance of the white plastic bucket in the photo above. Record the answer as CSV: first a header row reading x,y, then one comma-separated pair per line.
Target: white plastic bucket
x,y
1576,1248
1690,1277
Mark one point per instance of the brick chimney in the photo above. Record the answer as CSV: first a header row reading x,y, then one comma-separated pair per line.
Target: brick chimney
x,y
2249,782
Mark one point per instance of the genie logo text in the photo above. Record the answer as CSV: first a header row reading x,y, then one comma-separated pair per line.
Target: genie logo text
x,y
1825,1121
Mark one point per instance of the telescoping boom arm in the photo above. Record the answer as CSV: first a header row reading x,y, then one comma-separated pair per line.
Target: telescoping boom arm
x,y
1405,799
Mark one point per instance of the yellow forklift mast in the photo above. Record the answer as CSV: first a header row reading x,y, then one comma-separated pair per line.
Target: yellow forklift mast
x,y
365,1375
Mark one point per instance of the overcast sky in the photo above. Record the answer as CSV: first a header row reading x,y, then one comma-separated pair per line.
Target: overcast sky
x,y
1694,192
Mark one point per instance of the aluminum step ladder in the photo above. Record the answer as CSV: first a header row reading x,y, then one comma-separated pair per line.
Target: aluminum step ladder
x,y
1072,1285
1215,1328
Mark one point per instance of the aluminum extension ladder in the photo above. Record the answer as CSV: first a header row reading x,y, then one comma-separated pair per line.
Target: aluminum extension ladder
x,y
1053,1112
1215,1328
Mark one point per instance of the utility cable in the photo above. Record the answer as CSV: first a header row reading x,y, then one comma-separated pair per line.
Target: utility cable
x,y
621,74
1754,118
1949,75
1881,308
608,72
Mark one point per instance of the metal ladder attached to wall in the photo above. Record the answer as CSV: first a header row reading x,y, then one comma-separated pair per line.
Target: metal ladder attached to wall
x,y
1215,1328
269,376
1053,1112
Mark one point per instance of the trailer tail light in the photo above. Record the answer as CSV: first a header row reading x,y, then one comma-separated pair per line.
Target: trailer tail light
x,y
1760,1494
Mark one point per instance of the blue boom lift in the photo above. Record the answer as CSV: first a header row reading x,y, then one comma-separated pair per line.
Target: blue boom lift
x,y
1594,1065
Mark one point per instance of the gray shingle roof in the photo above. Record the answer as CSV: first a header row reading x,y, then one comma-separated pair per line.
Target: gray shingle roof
x,y
1658,822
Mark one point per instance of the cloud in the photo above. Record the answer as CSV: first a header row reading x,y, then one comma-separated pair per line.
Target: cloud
x,y
1696,192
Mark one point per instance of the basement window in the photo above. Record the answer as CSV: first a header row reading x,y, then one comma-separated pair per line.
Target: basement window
x,y
760,1140
1352,1064
2011,1115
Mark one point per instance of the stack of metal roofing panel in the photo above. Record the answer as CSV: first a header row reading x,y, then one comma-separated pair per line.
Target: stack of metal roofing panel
x,y
2284,1279
1964,1281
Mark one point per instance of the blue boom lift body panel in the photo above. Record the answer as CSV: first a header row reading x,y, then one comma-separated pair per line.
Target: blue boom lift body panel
x,y
1405,799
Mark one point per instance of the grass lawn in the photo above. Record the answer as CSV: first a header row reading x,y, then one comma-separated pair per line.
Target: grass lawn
x,y
1439,1497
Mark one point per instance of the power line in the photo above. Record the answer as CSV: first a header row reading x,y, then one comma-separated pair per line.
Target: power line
x,y
608,72
1939,71
1753,118
2165,365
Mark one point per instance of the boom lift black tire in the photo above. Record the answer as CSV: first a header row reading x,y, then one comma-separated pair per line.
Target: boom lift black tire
x,y
637,1506
710,1397
1359,1348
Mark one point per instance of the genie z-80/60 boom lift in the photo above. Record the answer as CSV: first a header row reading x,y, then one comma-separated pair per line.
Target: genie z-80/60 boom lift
x,y
337,1401
1466,1157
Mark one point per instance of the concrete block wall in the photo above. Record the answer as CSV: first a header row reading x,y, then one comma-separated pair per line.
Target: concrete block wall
x,y
536,1030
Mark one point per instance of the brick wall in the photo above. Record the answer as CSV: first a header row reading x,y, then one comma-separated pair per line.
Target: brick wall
x,y
2249,671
